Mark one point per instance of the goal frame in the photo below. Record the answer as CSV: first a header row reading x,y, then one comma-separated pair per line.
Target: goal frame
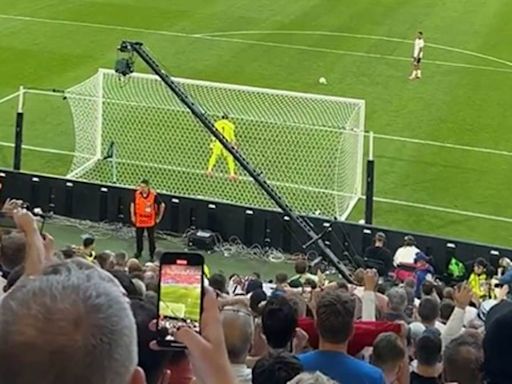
x,y
358,113
358,193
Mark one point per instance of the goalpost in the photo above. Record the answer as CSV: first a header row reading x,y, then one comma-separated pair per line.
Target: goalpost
x,y
309,147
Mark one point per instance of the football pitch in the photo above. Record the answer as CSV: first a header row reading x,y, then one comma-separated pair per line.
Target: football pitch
x,y
181,302
443,146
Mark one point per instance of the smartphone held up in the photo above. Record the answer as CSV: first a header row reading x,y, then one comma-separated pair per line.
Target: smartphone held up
x,y
6,215
6,221
180,295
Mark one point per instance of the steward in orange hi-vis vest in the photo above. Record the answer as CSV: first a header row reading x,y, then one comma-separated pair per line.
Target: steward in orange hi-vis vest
x,y
145,209
146,212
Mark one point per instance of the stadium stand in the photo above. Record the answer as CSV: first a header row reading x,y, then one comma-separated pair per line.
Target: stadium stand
x,y
97,313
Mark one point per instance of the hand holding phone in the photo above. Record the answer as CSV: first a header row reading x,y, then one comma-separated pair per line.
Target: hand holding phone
x,y
10,205
25,221
206,351
6,221
180,295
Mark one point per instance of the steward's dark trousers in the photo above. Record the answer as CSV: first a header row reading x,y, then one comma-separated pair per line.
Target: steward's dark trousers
x,y
139,232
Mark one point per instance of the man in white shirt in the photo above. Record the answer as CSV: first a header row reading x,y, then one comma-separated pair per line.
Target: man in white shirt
x,y
417,55
406,253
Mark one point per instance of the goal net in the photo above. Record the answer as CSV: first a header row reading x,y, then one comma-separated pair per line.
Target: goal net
x,y
309,147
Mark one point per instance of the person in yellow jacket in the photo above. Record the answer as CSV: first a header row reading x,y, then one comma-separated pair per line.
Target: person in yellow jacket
x,y
227,129
86,250
479,280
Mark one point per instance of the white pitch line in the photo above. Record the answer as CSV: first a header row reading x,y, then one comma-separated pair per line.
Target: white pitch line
x,y
444,209
93,25
320,128
439,144
359,36
9,97
354,201
41,149
352,53
169,33
54,151
242,178
310,189
378,199
299,32
82,169
384,137
254,42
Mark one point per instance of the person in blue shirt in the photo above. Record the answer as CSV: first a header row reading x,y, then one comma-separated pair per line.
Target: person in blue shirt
x,y
423,272
334,322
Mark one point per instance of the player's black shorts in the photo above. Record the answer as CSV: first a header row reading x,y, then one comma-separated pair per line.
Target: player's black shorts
x,y
417,60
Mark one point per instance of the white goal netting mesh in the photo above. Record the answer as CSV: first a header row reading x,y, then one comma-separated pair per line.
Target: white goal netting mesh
x,y
309,147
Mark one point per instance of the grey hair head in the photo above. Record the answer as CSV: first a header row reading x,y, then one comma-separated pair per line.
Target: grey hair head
x,y
397,299
238,325
120,259
312,378
71,325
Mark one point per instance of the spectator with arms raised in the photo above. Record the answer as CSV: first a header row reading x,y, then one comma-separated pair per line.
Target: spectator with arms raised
x,y
334,320
381,301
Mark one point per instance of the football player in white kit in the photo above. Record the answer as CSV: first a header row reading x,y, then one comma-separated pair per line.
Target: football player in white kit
x,y
419,43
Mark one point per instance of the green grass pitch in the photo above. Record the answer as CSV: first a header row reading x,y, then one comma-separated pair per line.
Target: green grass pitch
x,y
461,100
300,161
181,302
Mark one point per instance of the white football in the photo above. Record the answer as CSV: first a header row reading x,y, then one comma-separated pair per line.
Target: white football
x,y
322,80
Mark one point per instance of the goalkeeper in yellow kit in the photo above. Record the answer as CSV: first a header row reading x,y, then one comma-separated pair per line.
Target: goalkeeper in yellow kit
x,y
227,129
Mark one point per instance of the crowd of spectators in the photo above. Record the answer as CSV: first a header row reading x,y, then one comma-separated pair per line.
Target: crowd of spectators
x,y
81,316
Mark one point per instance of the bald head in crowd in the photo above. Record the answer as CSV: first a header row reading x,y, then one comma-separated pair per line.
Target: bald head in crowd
x,y
69,326
237,323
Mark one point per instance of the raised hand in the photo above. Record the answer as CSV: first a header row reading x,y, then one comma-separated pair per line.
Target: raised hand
x,y
24,221
207,351
371,279
462,296
10,205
